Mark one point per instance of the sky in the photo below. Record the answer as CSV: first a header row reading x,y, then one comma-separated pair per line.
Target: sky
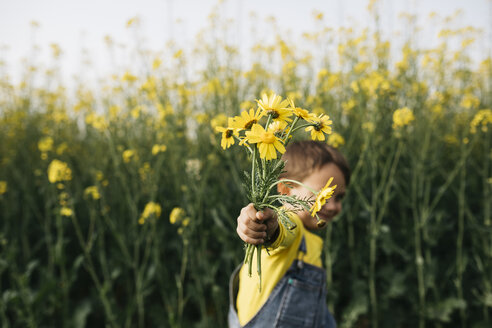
x,y
77,25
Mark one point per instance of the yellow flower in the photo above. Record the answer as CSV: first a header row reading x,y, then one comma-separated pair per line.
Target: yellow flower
x,y
61,148
132,21
335,140
176,215
92,191
469,101
321,125
3,187
299,112
156,149
484,117
348,106
45,144
128,77
227,135
268,143
66,211
274,106
368,126
218,120
246,120
59,171
127,155
150,209
402,116
277,128
322,196
202,118
156,63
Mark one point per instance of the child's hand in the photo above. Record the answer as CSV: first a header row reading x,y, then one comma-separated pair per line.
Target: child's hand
x,y
255,227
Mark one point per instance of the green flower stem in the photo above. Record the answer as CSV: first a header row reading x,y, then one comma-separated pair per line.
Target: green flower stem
x,y
250,259
253,172
303,126
286,140
269,119
246,253
245,144
258,259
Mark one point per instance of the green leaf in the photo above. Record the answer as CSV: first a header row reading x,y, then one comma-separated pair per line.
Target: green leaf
x,y
81,313
442,311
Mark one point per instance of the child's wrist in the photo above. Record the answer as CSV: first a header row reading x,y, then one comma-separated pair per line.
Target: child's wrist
x,y
273,237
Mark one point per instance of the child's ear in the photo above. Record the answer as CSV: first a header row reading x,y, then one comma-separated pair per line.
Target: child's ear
x,y
283,189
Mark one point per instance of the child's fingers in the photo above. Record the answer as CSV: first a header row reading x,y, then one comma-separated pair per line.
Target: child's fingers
x,y
249,228
250,236
248,217
266,214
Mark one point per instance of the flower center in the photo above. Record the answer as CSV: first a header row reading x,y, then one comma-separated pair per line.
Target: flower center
x,y
250,124
268,137
274,113
318,127
228,133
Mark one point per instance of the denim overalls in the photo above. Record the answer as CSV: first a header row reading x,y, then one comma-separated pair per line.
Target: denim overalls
x,y
298,300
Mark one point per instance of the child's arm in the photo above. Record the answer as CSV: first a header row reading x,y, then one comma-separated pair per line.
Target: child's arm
x,y
255,227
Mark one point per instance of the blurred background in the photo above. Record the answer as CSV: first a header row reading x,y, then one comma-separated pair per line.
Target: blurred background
x,y
118,206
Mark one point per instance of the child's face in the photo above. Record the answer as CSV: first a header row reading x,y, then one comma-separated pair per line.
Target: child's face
x,y
317,180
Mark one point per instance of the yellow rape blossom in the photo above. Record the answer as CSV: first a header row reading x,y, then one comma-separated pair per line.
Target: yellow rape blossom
x,y
3,187
402,116
156,149
127,155
268,143
156,63
45,144
218,120
176,215
347,106
151,209
59,171
321,125
66,211
469,100
128,77
483,118
335,140
368,126
93,192
202,118
274,106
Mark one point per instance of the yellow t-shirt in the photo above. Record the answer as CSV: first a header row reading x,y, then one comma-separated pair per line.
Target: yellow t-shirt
x,y
274,266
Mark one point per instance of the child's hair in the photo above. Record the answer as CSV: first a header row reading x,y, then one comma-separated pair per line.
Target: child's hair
x,y
304,157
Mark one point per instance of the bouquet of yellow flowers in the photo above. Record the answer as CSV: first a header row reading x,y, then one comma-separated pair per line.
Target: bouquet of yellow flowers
x,y
264,132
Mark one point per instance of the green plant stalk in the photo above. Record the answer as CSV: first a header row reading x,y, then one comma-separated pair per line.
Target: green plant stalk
x,y
258,263
90,267
372,272
60,259
182,275
459,242
487,215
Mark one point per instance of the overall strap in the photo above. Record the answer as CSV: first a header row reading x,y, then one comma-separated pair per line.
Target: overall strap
x,y
302,250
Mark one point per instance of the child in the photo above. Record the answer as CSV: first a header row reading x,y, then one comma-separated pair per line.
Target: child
x,y
293,292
